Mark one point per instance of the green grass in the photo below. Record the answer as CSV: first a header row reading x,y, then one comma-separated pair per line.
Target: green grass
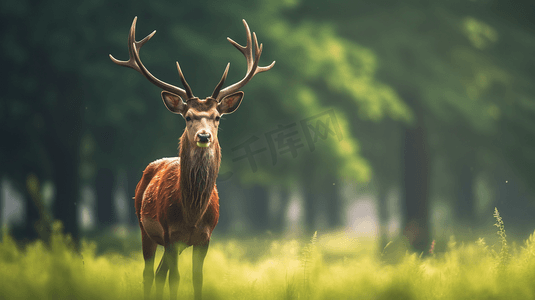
x,y
327,266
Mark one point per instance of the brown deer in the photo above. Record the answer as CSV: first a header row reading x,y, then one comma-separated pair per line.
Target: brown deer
x,y
176,201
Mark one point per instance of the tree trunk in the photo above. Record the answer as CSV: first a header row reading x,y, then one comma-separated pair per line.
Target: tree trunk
x,y
309,206
31,216
333,203
464,203
63,143
321,202
67,181
382,215
416,186
257,201
277,219
104,183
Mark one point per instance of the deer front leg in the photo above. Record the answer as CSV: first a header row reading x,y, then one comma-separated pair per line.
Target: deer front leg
x,y
169,261
172,254
199,253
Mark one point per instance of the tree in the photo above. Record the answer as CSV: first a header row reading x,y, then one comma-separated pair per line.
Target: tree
x,y
41,106
448,65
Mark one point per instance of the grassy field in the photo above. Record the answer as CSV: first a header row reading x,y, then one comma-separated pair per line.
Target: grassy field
x,y
328,266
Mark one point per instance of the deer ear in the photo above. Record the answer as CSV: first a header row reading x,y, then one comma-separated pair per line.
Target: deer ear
x,y
173,103
230,103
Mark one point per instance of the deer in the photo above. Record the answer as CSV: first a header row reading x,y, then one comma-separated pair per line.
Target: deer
x,y
176,200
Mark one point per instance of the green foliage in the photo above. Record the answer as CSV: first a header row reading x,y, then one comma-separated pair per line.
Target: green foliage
x,y
345,67
309,259
329,266
504,250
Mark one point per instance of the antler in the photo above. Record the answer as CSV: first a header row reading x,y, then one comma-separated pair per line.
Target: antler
x,y
135,63
252,66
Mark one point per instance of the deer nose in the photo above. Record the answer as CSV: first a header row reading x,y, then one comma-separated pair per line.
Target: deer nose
x,y
203,137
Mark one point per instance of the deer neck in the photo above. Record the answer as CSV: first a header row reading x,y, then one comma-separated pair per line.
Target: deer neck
x,y
199,168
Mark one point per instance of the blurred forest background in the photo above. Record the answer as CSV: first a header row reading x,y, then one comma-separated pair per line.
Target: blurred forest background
x,y
381,118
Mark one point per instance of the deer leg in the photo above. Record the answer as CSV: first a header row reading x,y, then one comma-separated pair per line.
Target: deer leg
x,y
149,249
171,255
161,275
199,253
174,276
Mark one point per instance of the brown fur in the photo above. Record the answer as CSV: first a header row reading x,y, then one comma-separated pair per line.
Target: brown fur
x,y
188,214
198,173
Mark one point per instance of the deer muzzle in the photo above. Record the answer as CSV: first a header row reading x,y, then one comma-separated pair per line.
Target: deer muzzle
x,y
203,140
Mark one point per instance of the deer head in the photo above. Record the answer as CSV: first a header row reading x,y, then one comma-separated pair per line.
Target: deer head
x,y
202,115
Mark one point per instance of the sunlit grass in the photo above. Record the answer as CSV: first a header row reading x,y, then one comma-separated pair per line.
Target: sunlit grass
x,y
326,266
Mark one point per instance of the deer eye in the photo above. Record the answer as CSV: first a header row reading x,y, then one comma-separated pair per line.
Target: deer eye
x,y
217,118
188,119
